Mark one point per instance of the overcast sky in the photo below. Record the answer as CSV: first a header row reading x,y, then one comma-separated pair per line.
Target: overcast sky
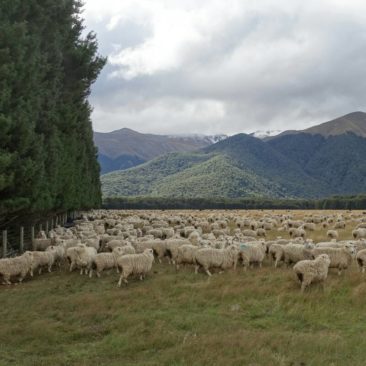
x,y
207,66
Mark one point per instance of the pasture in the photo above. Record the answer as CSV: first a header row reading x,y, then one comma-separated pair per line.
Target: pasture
x,y
253,317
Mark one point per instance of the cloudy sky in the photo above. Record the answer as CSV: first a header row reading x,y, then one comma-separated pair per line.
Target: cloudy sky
x,y
213,66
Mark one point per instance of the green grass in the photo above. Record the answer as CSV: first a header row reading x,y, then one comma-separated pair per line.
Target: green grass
x,y
256,317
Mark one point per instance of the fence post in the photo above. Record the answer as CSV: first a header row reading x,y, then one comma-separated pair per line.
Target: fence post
x,y
32,233
5,243
47,227
21,242
40,227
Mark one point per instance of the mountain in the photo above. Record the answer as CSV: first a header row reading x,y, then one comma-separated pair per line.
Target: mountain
x,y
125,148
354,122
294,165
237,166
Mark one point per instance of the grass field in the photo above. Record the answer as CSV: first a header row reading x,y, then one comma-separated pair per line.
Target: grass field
x,y
256,317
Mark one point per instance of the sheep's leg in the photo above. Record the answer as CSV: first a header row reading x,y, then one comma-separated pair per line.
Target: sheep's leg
x,y
98,274
141,277
303,286
159,260
40,270
91,273
49,268
31,272
208,272
81,272
196,269
363,270
120,281
71,266
339,271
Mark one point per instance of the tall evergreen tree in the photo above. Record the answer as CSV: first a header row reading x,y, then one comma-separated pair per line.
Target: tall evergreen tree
x,y
47,156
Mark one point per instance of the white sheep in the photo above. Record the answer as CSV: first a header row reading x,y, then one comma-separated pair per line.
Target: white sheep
x,y
252,254
332,234
294,253
309,271
135,264
186,255
41,244
276,252
340,258
219,258
361,260
59,254
85,257
41,259
18,266
359,233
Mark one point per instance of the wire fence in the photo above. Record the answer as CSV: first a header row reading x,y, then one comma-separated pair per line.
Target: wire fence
x,y
17,236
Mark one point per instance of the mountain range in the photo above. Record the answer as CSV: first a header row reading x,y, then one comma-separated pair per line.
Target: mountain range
x,y
321,161
126,148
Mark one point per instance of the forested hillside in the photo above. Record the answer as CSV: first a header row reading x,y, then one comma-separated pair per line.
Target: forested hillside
x,y
47,66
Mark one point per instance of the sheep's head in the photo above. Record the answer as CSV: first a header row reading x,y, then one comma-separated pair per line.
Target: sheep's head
x,y
351,249
324,258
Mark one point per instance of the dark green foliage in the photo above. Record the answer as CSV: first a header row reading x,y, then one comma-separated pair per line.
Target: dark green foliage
x,y
166,203
47,156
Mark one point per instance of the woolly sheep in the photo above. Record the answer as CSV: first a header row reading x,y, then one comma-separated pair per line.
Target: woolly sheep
x,y
276,252
220,258
297,232
361,260
59,253
186,255
85,256
294,253
359,233
42,259
41,244
18,266
333,234
340,258
309,271
102,261
135,264
251,254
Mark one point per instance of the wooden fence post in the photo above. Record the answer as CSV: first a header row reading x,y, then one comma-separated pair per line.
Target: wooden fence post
x,y
40,227
32,233
5,243
46,226
21,242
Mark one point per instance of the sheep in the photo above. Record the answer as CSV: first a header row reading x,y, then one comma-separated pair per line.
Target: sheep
x,y
59,253
41,259
102,261
297,232
251,254
309,271
359,233
309,226
111,245
294,253
93,242
85,256
361,260
139,264
185,255
332,234
221,258
251,233
340,258
41,244
340,225
18,266
277,253
72,256
261,232
172,246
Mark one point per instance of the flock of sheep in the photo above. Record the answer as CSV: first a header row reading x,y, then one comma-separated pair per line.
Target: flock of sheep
x,y
129,242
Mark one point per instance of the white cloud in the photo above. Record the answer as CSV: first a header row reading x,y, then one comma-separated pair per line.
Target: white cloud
x,y
225,67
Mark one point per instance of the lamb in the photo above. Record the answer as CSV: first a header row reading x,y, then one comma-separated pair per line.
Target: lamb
x,y
294,253
361,260
340,258
333,234
41,259
221,258
309,271
18,266
85,256
138,264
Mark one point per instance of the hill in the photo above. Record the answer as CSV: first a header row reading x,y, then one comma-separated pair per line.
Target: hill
x,y
354,122
238,166
126,148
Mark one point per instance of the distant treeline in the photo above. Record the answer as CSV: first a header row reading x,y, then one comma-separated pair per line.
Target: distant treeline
x,y
47,66
165,203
